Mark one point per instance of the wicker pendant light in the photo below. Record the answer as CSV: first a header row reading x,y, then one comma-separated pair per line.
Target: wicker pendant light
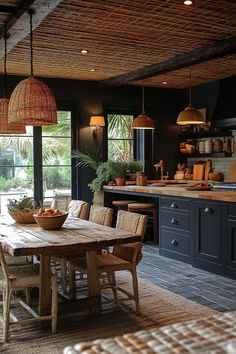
x,y
143,121
5,127
32,102
190,115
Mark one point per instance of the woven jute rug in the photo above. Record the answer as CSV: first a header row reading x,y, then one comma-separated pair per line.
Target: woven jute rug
x,y
159,307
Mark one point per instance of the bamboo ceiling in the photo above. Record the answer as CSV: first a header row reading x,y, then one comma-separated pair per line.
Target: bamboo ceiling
x,y
125,35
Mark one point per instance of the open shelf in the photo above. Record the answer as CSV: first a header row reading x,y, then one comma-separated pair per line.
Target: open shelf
x,y
206,134
213,154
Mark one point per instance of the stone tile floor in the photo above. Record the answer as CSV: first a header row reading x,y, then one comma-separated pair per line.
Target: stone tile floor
x,y
208,289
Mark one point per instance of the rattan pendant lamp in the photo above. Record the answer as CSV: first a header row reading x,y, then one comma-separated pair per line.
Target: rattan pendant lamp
x,y
143,121
5,127
32,102
190,115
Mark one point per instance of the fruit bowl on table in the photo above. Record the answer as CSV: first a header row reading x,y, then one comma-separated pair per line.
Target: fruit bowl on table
x,y
51,222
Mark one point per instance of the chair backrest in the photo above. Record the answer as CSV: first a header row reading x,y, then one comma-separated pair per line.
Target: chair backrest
x,y
132,222
78,209
101,215
61,201
3,265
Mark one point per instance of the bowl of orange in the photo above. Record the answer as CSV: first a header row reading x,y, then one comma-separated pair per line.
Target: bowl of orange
x,y
49,219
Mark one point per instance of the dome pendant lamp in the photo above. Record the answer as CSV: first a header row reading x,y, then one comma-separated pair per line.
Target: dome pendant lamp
x,y
5,127
143,121
190,115
32,102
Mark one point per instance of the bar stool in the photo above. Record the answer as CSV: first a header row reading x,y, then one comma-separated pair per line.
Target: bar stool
x,y
149,208
122,204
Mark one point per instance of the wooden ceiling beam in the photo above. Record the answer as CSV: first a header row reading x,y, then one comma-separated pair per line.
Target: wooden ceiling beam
x,y
219,49
18,23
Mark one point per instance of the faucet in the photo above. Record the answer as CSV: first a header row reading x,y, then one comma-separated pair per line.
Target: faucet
x,y
161,165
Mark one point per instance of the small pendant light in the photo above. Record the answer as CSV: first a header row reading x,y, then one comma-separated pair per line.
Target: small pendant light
x,y
190,115
143,121
5,127
32,102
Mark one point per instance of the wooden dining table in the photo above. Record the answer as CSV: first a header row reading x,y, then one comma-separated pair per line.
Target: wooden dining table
x,y
75,237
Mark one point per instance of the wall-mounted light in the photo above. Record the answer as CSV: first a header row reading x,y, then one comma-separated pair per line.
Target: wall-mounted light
x,y
98,122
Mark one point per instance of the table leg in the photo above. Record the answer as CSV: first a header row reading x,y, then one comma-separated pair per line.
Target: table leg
x,y
45,290
94,290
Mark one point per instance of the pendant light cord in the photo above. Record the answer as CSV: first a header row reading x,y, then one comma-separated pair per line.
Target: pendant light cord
x,y
143,99
31,43
190,87
5,61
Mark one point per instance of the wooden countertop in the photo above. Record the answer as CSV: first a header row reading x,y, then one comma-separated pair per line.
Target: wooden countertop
x,y
179,191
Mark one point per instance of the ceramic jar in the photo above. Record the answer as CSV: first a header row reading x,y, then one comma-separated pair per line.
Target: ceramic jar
x,y
217,145
201,146
179,175
141,179
208,146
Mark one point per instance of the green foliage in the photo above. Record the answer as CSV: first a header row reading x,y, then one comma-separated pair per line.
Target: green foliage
x,y
24,204
134,166
118,169
57,177
104,175
88,159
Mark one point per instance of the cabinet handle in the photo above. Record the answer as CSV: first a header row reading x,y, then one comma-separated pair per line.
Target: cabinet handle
x,y
174,221
174,205
174,242
208,210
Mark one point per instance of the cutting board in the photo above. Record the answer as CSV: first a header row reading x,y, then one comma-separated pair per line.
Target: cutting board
x,y
198,172
207,170
232,173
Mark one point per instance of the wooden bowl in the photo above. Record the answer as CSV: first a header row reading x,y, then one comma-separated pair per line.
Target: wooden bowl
x,y
53,222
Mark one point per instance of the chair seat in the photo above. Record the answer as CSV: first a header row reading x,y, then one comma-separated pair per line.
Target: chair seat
x,y
104,261
23,276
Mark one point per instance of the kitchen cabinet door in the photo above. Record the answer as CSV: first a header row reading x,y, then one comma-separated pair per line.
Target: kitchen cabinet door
x,y
231,247
207,239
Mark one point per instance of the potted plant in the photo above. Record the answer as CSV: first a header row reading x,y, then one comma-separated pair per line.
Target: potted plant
x,y
118,172
133,167
104,175
87,159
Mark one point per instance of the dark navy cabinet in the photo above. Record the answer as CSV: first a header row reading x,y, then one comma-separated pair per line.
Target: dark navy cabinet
x,y
207,240
230,239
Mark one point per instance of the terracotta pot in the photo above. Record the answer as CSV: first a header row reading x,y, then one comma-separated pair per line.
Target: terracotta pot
x,y
120,181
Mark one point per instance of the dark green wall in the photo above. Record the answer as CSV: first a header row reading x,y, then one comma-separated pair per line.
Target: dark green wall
x,y
163,105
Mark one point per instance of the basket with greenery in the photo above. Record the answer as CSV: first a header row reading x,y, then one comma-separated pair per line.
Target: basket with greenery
x,y
22,210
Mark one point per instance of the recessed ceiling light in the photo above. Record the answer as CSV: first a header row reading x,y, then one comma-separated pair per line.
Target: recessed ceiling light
x,y
188,2
164,82
92,69
84,51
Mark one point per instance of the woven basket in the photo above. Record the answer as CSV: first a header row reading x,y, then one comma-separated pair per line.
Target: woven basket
x,y
23,217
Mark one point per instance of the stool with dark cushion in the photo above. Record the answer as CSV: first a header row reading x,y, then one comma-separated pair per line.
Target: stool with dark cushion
x,y
140,207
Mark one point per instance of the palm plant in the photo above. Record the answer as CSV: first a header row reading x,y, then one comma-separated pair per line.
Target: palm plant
x,y
87,159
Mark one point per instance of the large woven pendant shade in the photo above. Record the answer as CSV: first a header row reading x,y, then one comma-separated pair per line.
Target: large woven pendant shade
x,y
32,103
190,115
143,121
5,127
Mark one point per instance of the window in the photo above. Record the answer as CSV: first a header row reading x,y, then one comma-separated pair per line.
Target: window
x,y
19,169
120,137
56,161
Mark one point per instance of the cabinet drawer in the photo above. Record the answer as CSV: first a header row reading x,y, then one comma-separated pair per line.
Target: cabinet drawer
x,y
175,242
175,203
231,210
175,220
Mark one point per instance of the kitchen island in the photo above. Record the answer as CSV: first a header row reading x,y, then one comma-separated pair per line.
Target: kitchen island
x,y
196,227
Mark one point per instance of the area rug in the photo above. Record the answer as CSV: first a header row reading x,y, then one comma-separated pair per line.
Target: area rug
x,y
159,307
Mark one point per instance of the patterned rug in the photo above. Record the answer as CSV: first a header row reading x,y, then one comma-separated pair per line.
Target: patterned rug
x,y
159,307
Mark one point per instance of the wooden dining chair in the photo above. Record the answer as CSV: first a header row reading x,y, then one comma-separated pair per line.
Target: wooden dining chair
x,y
18,278
123,257
77,209
99,215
